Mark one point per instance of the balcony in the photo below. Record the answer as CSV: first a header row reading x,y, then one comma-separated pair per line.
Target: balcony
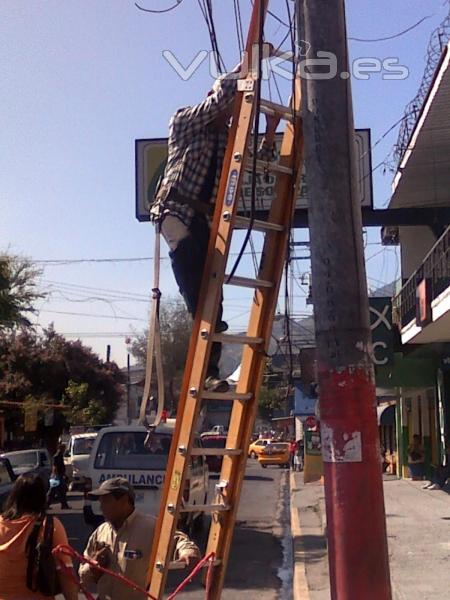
x,y
422,308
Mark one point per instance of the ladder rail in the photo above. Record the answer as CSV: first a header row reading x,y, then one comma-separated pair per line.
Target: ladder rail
x,y
263,309
189,405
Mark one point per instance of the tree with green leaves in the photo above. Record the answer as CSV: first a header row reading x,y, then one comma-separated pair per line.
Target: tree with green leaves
x,y
270,400
54,371
18,291
175,323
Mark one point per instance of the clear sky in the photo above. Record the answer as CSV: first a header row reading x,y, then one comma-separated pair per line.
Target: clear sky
x,y
82,79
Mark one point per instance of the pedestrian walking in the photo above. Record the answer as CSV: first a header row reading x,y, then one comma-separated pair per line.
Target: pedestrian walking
x,y
22,527
292,450
58,479
298,456
123,543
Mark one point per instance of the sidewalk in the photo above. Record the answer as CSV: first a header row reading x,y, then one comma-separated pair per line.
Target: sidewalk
x,y
418,524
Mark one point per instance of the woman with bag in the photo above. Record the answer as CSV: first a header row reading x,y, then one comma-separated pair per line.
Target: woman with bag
x,y
27,536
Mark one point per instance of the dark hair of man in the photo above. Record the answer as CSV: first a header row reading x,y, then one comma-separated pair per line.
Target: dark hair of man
x,y
28,497
118,494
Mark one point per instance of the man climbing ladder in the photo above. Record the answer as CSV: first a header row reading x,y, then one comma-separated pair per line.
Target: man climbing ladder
x,y
186,199
248,105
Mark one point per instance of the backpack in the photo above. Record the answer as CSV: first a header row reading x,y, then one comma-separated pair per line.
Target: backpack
x,y
42,575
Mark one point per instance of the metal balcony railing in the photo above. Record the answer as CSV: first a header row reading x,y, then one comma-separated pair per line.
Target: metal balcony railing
x,y
436,269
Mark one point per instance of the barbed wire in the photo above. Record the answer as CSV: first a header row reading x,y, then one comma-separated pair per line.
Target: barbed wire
x,y
439,38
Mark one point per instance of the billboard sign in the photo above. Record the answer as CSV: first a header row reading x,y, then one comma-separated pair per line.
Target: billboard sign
x,y
151,157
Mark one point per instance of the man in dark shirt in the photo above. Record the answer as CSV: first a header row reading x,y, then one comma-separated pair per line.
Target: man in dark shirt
x,y
59,491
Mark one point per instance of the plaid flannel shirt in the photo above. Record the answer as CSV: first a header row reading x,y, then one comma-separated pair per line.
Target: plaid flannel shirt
x,y
192,142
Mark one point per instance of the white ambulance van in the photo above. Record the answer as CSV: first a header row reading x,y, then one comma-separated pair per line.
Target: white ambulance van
x,y
128,451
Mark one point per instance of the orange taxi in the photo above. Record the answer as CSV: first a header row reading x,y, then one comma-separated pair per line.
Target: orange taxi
x,y
275,453
256,447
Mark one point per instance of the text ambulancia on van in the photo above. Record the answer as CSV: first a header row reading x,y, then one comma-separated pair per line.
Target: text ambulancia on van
x,y
129,451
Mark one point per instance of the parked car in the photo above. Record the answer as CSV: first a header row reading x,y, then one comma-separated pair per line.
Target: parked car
x,y
216,430
276,453
255,448
7,479
214,441
76,458
34,460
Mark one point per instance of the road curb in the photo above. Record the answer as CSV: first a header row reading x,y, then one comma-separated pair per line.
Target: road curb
x,y
299,579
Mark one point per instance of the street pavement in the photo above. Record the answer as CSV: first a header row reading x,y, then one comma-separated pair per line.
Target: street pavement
x,y
418,527
261,560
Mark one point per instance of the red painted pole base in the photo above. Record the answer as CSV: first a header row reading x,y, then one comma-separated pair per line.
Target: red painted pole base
x,y
356,521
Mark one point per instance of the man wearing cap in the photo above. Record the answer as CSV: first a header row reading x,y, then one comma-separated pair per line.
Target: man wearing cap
x,y
123,543
186,198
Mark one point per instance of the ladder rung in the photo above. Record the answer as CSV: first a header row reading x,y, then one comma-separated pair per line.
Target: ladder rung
x,y
178,565
227,338
277,110
226,396
247,282
207,508
263,165
216,451
244,223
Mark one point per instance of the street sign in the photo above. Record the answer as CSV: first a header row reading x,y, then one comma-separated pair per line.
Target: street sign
x,y
311,422
382,333
151,157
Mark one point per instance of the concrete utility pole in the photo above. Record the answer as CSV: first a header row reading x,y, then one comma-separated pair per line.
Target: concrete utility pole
x,y
358,554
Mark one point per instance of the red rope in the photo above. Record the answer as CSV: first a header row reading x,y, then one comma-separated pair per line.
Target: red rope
x,y
69,551
194,572
64,549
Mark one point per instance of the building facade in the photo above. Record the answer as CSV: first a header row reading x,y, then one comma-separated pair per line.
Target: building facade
x,y
421,309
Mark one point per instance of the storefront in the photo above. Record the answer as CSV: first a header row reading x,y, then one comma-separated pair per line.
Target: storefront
x,y
417,408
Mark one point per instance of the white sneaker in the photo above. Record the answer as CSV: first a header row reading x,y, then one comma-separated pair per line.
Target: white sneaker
x,y
434,486
427,486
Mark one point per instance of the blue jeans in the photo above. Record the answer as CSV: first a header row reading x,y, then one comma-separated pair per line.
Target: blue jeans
x,y
417,470
188,251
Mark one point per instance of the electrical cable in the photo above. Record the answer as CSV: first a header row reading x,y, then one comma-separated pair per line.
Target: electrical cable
x,y
257,113
77,314
159,12
277,88
274,16
75,261
292,32
368,40
239,27
222,66
207,12
392,37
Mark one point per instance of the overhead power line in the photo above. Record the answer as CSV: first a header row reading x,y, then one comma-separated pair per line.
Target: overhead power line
x,y
78,314
73,261
394,36
160,11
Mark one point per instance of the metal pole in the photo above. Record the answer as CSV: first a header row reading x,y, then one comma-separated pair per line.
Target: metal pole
x,y
128,389
358,554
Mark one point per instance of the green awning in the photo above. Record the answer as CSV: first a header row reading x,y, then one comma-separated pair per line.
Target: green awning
x,y
407,372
